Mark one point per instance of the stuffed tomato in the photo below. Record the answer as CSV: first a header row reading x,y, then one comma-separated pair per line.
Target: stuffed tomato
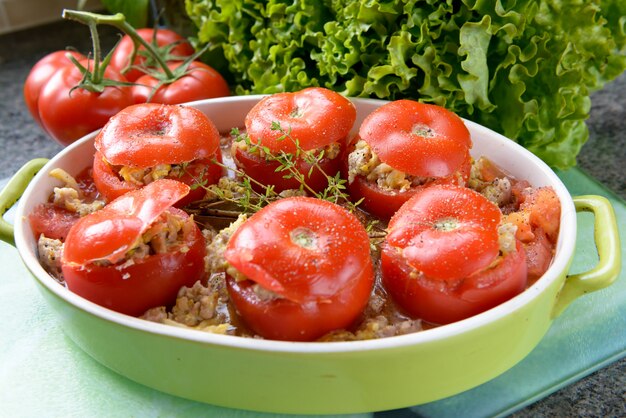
x,y
402,147
136,252
448,255
306,130
299,268
147,142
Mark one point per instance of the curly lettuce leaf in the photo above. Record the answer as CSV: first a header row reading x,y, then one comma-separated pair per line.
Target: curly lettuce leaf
x,y
524,68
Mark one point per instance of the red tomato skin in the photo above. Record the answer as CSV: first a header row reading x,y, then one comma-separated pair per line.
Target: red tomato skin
x,y
265,173
322,287
446,232
145,135
153,281
443,302
394,132
201,82
52,221
315,116
539,253
384,203
40,74
111,186
121,56
55,222
282,319
69,116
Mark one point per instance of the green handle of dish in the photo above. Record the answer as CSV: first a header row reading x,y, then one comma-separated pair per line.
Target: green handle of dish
x,y
607,243
12,193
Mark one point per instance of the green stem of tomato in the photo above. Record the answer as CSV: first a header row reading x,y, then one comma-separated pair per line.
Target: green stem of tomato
x,y
118,21
96,78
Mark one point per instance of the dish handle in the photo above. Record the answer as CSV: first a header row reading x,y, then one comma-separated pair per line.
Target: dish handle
x,y
13,191
607,243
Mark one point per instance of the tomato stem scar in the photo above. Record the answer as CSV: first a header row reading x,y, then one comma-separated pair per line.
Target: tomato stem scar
x,y
304,237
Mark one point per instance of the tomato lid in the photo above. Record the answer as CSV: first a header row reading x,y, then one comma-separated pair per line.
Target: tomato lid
x,y
149,134
301,248
110,232
416,138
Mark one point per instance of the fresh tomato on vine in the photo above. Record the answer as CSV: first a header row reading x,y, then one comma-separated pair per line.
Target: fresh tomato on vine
x,y
149,141
136,252
166,42
314,121
304,269
69,108
40,74
401,147
188,82
445,257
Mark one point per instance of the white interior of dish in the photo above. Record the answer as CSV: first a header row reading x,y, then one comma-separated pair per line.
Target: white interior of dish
x,y
229,112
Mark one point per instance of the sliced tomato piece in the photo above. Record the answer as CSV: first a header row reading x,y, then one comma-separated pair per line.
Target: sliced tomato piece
x,y
52,221
539,254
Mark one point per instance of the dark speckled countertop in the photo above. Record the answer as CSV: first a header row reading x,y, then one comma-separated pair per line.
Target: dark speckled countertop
x,y
601,394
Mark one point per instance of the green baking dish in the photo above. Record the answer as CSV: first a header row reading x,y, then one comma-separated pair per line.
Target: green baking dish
x,y
343,377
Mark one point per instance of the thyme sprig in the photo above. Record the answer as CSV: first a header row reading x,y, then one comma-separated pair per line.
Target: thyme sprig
x,y
244,193
334,192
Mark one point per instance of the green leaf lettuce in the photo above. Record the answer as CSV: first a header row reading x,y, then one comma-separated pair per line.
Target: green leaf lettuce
x,y
523,68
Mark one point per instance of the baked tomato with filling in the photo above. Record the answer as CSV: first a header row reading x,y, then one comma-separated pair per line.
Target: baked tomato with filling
x,y
150,141
136,252
302,268
301,126
447,256
401,147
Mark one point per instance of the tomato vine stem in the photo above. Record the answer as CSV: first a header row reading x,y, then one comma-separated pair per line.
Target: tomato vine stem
x,y
118,21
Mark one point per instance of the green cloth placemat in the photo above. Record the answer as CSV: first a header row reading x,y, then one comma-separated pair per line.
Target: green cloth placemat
x,y
42,372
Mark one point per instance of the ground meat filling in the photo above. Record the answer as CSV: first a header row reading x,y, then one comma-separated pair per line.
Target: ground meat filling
x,y
200,307
50,251
165,235
205,306
493,184
364,162
142,176
215,262
71,197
